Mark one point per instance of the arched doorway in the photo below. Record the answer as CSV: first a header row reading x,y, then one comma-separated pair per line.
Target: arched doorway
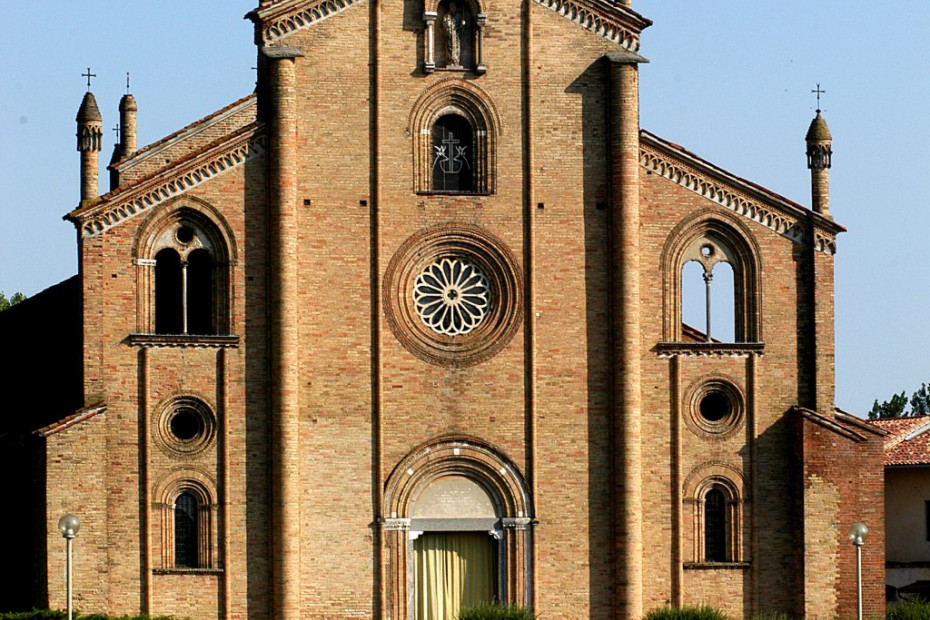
x,y
457,532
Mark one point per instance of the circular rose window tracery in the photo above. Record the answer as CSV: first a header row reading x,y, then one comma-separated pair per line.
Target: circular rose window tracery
x,y
451,296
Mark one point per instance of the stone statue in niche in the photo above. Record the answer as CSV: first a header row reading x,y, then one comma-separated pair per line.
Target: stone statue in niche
x,y
458,33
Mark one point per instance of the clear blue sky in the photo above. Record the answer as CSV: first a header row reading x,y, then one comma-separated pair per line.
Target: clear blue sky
x,y
728,79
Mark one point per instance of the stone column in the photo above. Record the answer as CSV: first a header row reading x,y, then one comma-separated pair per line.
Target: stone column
x,y
429,39
627,347
284,343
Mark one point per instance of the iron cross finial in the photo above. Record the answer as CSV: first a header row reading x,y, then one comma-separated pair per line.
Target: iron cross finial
x,y
819,92
127,82
88,75
116,129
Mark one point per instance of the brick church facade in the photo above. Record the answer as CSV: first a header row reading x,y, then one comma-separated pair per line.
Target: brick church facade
x,y
403,330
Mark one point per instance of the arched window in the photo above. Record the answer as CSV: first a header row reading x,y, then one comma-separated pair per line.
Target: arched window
x,y
186,543
453,155
716,510
708,296
187,510
712,272
454,127
183,259
715,526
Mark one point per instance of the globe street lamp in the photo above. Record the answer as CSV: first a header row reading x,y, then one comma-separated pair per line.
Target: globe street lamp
x,y
858,532
69,525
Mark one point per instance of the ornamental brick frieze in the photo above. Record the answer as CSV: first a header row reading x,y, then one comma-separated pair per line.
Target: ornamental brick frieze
x,y
163,187
280,22
738,202
600,18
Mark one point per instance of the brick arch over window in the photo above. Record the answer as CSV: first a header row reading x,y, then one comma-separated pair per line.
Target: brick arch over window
x,y
496,475
729,241
186,545
474,107
714,497
184,255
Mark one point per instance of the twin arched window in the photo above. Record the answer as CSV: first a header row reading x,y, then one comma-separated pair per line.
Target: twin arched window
x,y
185,292
712,291
183,281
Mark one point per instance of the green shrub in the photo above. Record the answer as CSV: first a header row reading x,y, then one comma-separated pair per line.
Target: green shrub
x,y
490,611
688,612
908,609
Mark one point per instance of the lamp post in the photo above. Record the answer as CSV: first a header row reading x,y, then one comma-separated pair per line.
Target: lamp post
x,y
69,525
858,532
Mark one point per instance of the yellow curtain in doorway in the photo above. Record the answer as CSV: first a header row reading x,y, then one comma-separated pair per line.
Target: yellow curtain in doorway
x,y
453,570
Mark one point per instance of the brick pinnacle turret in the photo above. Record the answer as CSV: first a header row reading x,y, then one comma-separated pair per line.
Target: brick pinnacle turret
x,y
819,156
89,143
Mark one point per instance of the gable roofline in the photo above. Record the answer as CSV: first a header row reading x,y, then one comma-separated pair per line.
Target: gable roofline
x,y
125,202
611,21
68,421
839,423
187,132
743,197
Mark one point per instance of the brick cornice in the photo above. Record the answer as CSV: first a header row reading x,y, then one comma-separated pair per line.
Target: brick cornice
x,y
610,21
746,199
284,18
128,202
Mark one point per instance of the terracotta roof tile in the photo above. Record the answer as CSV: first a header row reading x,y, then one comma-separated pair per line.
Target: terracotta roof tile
x,y
908,440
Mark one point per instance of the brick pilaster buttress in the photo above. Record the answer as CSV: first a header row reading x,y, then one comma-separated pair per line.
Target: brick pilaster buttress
x,y
285,341
627,337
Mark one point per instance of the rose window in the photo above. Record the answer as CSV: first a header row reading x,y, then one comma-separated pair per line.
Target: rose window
x,y
451,296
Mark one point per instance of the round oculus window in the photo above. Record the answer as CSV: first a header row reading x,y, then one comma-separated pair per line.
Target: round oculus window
x,y
184,426
451,296
715,408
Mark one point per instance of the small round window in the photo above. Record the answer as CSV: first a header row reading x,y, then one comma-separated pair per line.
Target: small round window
x,y
715,407
185,426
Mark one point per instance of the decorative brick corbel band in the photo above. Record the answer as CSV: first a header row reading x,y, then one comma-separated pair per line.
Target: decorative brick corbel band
x,y
743,204
146,194
276,24
600,18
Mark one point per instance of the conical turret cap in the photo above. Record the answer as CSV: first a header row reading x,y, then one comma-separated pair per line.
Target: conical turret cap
x,y
89,112
818,131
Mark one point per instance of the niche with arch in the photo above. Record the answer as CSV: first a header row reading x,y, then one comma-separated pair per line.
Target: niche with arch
x,y
453,36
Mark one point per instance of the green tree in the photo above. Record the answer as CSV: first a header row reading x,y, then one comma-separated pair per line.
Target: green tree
x,y
896,406
14,299
920,401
